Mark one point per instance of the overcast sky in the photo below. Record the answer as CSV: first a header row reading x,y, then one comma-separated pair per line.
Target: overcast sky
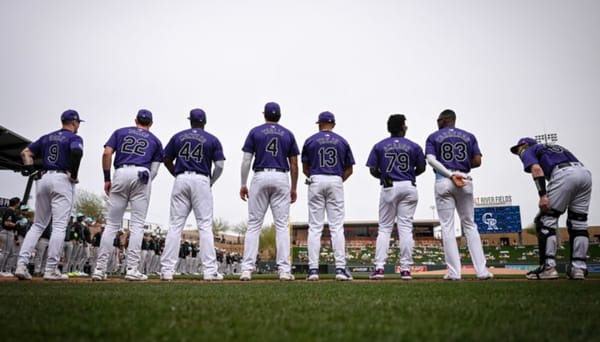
x,y
508,68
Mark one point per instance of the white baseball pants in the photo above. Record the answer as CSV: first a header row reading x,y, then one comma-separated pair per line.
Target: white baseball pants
x,y
268,189
53,200
448,198
126,188
396,204
190,192
326,195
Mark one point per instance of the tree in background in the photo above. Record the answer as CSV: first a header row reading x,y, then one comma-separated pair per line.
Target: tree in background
x,y
240,229
266,242
90,204
219,227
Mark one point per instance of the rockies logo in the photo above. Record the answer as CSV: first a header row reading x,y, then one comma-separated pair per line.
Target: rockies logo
x,y
488,218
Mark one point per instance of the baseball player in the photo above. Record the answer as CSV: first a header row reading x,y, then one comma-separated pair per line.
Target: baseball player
x,y
396,161
96,247
69,245
10,218
327,161
83,254
194,151
275,153
23,225
453,152
61,153
41,251
569,189
138,154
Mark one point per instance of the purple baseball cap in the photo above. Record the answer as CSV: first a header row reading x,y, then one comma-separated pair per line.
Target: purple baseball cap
x,y
272,108
197,114
527,140
326,117
144,113
70,114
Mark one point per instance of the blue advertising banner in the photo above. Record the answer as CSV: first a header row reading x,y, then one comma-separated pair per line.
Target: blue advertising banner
x,y
490,220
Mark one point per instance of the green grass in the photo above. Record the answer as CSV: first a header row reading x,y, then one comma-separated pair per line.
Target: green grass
x,y
390,310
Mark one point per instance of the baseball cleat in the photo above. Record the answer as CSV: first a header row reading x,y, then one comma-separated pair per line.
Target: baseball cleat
x,y
213,277
286,276
488,276
98,275
55,275
405,275
377,274
448,277
246,276
166,277
342,274
135,275
6,275
542,273
22,272
575,273
313,275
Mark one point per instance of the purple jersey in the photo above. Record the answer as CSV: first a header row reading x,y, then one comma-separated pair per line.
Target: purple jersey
x,y
135,146
194,150
453,147
327,153
396,158
546,156
272,145
55,149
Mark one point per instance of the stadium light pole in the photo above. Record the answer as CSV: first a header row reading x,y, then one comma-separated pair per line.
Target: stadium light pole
x,y
547,138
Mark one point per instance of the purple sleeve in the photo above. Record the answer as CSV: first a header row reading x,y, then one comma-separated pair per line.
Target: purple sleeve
x,y
294,151
529,157
305,151
169,151
349,157
35,147
475,146
76,143
112,141
373,160
218,151
430,146
249,143
419,157
158,152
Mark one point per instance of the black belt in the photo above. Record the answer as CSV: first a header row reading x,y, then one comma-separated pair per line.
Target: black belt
x,y
194,172
261,169
568,164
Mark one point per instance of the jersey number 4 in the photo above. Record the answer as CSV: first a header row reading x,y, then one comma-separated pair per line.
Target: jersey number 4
x,y
187,152
273,147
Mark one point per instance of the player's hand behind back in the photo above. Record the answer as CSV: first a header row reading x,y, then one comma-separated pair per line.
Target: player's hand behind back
x,y
458,180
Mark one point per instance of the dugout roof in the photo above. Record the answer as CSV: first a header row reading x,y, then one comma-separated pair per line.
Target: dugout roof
x,y
11,145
